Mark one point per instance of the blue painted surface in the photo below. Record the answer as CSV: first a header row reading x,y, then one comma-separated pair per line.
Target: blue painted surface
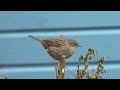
x,y
47,19
25,57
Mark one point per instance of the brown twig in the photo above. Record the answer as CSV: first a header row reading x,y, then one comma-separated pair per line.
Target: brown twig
x,y
61,64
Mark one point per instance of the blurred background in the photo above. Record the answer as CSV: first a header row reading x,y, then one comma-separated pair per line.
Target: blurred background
x,y
25,58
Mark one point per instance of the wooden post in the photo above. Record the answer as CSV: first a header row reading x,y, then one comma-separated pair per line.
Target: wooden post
x,y
61,65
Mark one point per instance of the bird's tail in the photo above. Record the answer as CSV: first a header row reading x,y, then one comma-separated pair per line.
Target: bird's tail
x,y
39,40
36,38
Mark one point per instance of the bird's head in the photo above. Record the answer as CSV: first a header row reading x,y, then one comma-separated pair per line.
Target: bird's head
x,y
73,43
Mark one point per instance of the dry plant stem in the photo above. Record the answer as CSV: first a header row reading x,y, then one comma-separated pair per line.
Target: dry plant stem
x,y
78,70
56,69
62,68
61,64
70,72
62,36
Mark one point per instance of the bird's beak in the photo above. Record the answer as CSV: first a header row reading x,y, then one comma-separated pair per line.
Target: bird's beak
x,y
79,46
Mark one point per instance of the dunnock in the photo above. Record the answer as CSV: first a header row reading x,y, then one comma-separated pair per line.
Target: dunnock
x,y
58,47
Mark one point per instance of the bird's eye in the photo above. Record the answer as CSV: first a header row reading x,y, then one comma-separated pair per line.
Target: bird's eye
x,y
74,44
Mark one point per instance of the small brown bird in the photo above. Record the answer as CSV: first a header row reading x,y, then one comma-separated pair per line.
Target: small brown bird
x,y
58,47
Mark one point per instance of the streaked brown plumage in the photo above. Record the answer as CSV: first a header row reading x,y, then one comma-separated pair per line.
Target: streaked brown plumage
x,y
58,47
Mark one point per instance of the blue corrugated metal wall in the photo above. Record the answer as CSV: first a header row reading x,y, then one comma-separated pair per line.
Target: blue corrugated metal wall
x,y
26,58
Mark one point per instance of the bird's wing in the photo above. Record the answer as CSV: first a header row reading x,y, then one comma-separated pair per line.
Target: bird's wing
x,y
54,42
